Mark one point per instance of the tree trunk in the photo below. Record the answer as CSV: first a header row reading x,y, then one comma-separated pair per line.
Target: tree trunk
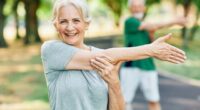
x,y
2,22
184,30
116,8
194,28
32,35
16,17
27,25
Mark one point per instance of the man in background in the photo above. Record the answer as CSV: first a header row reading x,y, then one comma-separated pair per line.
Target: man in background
x,y
142,72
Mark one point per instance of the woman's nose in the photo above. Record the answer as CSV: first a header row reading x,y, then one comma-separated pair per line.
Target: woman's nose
x,y
70,27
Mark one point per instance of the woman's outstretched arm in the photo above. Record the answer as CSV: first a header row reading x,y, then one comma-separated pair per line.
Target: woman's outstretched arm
x,y
158,49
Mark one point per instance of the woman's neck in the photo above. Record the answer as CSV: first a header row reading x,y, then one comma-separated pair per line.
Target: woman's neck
x,y
84,47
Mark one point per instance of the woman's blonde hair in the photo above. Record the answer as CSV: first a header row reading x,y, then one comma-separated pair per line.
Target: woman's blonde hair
x,y
80,5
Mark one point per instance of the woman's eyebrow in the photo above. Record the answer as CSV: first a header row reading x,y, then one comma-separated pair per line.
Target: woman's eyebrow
x,y
66,19
62,19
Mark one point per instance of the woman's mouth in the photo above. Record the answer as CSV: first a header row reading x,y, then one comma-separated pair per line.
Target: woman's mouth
x,y
70,34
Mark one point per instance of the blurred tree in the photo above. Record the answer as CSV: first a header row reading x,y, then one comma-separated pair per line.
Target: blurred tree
x,y
186,5
2,22
16,17
149,3
117,8
44,12
196,26
31,7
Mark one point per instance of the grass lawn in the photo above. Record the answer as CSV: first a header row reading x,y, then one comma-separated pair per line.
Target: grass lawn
x,y
22,79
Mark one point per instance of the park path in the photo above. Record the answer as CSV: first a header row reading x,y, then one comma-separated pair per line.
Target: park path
x,y
175,95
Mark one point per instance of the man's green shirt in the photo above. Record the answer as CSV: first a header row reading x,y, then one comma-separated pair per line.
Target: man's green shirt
x,y
135,37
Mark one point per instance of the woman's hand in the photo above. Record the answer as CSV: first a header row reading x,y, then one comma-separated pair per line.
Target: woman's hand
x,y
163,51
107,71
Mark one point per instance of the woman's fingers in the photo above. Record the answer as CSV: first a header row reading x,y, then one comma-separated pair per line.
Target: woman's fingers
x,y
177,58
177,50
97,65
102,72
107,58
103,60
165,51
173,61
177,54
102,65
105,69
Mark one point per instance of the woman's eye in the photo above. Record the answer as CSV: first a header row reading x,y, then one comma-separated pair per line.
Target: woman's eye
x,y
61,22
76,20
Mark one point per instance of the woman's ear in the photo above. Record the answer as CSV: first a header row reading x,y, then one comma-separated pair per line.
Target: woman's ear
x,y
55,25
87,25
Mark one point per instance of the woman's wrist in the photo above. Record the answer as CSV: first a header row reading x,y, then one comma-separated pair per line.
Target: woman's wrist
x,y
114,85
150,50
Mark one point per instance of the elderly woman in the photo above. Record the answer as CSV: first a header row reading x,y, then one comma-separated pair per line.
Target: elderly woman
x,y
81,77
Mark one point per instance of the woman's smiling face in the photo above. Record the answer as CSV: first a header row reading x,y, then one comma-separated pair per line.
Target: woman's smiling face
x,y
71,25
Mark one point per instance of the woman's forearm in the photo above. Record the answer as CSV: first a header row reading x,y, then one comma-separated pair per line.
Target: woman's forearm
x,y
127,54
158,49
116,100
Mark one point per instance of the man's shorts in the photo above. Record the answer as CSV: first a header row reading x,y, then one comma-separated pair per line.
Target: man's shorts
x,y
131,78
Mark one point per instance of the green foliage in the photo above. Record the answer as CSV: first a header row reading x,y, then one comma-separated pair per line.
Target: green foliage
x,y
184,2
119,5
197,4
45,9
151,2
179,1
116,7
98,12
8,7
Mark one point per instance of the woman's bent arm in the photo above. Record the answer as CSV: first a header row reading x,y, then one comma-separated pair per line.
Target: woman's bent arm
x,y
109,73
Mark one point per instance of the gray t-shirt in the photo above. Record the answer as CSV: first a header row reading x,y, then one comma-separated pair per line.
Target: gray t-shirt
x,y
71,89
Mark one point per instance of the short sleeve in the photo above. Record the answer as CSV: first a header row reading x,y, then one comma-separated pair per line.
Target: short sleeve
x,y
132,25
56,55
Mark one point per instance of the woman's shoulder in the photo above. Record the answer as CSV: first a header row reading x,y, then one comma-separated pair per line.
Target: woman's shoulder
x,y
53,46
48,44
51,42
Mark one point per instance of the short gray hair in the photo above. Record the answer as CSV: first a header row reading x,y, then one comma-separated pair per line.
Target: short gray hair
x,y
81,6
130,2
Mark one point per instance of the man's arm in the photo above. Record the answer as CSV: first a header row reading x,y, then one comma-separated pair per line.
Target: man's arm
x,y
155,26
